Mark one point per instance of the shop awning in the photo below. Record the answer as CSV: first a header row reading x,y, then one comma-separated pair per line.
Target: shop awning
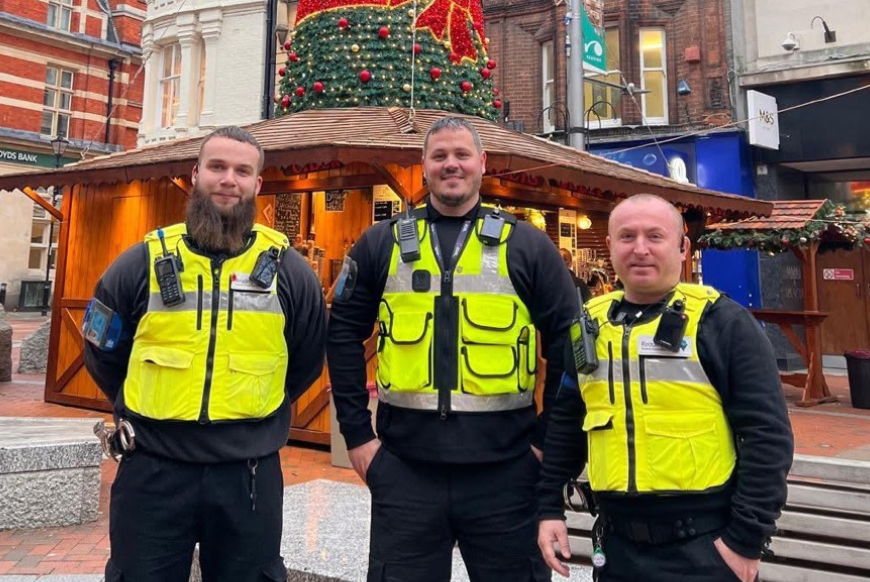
x,y
313,139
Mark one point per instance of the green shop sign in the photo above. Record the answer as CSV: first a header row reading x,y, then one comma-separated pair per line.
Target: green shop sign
x,y
594,52
11,156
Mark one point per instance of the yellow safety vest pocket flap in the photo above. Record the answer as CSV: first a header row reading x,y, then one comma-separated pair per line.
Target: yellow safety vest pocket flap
x,y
254,364
682,450
679,425
487,320
167,357
410,328
159,387
598,420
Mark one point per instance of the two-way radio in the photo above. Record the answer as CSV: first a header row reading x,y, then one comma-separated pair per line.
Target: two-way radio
x,y
584,331
409,239
167,268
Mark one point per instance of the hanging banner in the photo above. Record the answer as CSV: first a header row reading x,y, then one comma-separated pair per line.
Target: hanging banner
x,y
594,50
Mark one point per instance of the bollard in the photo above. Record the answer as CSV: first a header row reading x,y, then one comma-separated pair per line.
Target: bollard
x,y
3,294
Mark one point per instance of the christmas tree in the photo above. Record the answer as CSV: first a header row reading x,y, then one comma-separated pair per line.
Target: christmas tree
x,y
354,53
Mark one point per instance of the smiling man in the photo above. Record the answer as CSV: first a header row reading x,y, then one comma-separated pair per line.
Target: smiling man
x,y
457,452
687,441
221,329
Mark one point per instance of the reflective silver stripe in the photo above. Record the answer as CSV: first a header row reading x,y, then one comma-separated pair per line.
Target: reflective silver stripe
x,y
459,402
600,373
242,301
483,284
674,370
251,301
155,302
401,281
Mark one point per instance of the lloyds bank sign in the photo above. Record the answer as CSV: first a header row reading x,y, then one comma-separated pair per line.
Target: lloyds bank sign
x,y
12,156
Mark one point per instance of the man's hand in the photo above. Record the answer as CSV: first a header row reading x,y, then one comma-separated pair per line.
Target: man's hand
x,y
746,569
361,457
552,531
538,453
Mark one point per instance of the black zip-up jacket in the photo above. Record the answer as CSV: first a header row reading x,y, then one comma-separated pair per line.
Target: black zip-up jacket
x,y
739,361
124,289
543,285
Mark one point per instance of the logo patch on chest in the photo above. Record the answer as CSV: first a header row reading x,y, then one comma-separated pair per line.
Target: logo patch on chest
x,y
647,347
242,282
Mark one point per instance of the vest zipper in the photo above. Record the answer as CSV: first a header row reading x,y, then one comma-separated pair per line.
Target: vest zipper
x,y
641,364
199,285
446,343
610,373
230,308
212,338
629,411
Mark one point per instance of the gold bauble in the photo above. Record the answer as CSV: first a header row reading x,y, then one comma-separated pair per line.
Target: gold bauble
x,y
406,87
354,48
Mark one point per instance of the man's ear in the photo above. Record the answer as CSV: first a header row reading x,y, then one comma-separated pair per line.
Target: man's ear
x,y
607,241
194,173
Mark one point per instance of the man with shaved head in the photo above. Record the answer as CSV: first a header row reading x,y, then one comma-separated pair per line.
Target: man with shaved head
x,y
687,437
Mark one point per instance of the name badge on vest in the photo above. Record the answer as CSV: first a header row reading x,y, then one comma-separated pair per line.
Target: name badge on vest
x,y
647,347
242,282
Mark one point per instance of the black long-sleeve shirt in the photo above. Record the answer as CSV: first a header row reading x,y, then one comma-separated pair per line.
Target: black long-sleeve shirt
x,y
542,283
124,289
739,361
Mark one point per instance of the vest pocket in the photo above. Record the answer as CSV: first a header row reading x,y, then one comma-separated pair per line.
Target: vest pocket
x,y
605,450
489,358
682,449
404,364
527,348
164,372
250,390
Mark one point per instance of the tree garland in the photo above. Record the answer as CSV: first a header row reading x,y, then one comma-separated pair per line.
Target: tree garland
x,y
830,224
354,53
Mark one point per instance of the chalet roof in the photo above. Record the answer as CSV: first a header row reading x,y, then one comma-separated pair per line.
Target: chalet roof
x,y
786,214
377,135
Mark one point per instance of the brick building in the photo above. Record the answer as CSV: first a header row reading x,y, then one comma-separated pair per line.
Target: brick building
x,y
67,68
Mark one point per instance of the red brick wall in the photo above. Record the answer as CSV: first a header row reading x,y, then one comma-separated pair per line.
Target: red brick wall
x,y
90,77
516,29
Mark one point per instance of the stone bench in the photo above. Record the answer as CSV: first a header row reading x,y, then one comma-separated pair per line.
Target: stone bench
x,y
49,472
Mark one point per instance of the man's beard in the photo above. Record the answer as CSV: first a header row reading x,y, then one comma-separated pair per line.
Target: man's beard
x,y
215,229
456,200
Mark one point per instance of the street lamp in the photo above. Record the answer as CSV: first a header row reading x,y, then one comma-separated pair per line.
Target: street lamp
x,y
58,145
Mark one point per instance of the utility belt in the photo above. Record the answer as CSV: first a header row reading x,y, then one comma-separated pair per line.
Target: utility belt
x,y
656,532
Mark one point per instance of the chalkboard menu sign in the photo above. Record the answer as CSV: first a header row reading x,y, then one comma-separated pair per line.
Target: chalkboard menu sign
x,y
288,208
385,209
335,200
565,230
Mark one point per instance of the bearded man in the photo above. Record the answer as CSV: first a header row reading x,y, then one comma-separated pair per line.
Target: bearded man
x,y
221,327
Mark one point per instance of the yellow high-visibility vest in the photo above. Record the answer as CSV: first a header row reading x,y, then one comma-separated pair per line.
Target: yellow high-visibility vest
x,y
219,356
496,340
654,422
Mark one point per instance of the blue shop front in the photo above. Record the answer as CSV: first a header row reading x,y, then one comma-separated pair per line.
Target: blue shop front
x,y
719,161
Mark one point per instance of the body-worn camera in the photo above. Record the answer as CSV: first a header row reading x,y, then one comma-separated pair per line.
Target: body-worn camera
x,y
490,232
672,327
266,268
584,331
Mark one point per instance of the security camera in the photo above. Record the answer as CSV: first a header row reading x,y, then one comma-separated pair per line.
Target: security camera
x,y
790,43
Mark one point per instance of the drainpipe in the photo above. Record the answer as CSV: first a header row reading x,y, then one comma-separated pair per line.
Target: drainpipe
x,y
269,76
113,64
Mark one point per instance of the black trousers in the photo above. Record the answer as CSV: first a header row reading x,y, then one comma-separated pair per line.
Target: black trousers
x,y
421,510
161,508
693,560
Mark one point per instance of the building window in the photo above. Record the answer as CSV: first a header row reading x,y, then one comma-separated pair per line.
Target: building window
x,y
548,86
170,85
60,14
602,93
653,76
57,102
39,237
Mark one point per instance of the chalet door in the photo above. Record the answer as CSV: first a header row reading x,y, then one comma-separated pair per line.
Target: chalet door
x,y
844,293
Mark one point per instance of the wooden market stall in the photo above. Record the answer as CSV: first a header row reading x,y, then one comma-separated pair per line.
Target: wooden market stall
x,y
325,173
802,227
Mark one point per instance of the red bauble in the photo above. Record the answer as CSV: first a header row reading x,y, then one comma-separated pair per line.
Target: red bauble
x,y
293,57
343,22
282,71
495,91
418,49
317,86
287,45
384,31
867,240
466,86
435,73
285,101
785,241
300,91
365,76
490,64
454,57
485,73
497,103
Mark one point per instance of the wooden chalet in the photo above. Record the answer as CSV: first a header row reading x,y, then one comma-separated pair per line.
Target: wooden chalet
x,y
325,172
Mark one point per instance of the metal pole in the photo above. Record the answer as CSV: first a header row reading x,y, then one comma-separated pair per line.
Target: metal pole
x,y
574,52
46,290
